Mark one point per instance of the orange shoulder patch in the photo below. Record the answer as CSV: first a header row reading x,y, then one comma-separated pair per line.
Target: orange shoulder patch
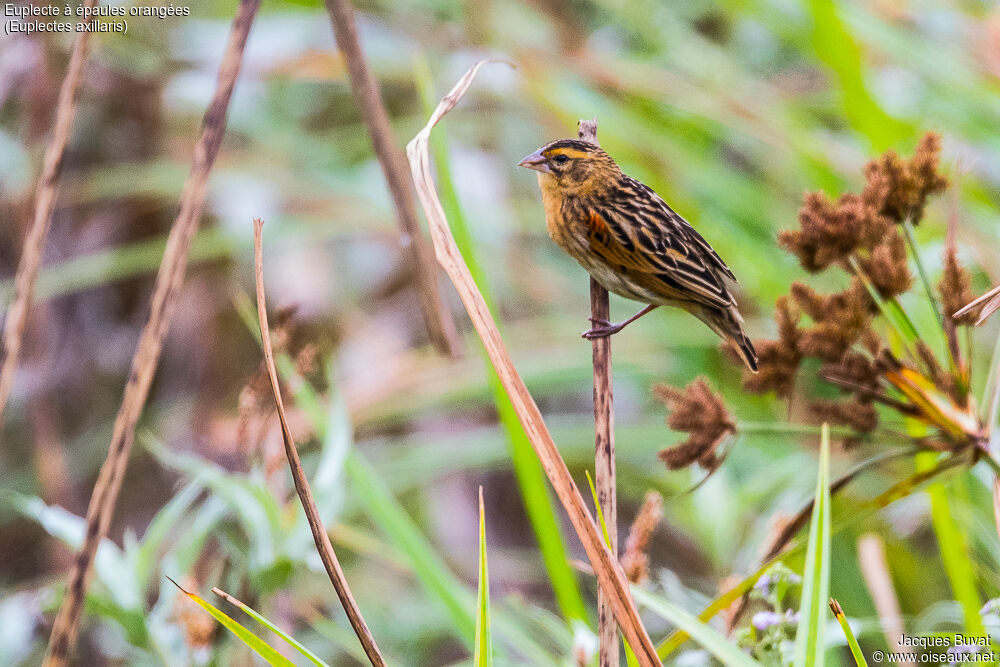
x,y
597,224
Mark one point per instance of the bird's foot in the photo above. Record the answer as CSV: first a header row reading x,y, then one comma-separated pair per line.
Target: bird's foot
x,y
603,328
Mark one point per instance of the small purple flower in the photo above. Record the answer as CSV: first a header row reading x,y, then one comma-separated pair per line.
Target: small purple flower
x,y
991,607
791,617
763,620
763,585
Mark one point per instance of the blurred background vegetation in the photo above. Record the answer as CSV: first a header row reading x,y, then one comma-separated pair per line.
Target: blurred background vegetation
x,y
729,110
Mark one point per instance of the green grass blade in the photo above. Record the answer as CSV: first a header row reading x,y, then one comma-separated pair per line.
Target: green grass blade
x,y
891,311
630,659
713,641
809,639
484,636
258,645
312,657
118,263
836,47
677,638
600,512
955,556
852,642
922,273
401,530
538,503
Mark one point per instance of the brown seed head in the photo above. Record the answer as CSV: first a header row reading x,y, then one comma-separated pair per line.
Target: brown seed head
x,y
886,265
635,560
778,359
955,289
699,412
828,231
839,320
906,185
856,368
856,414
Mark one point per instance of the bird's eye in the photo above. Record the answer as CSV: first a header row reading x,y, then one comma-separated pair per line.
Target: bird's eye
x,y
561,159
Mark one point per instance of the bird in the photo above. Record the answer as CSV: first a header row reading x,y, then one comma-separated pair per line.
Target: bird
x,y
628,238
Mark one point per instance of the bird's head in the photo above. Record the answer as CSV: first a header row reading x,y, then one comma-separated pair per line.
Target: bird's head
x,y
572,166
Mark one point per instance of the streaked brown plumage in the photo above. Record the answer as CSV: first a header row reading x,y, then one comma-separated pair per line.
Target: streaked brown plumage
x,y
631,242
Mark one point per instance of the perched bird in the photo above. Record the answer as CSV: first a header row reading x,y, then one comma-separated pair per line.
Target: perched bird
x,y
631,242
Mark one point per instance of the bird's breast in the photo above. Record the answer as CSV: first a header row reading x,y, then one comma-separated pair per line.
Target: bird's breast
x,y
564,222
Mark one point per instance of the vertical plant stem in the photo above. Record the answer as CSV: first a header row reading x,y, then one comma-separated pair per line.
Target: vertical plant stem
x,y
440,325
604,464
166,291
320,535
45,199
604,441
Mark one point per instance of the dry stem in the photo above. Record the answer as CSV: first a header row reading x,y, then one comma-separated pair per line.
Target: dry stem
x,y
990,303
45,199
875,570
440,325
165,294
610,576
322,538
604,440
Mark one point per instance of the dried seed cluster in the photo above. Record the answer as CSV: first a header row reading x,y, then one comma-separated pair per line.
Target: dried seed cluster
x,y
699,412
863,236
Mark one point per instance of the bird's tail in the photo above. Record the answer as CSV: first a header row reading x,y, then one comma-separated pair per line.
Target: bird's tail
x,y
729,324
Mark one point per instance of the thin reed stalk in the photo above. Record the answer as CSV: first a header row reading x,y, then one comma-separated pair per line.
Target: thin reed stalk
x,y
45,199
166,291
604,440
610,576
875,570
320,535
440,325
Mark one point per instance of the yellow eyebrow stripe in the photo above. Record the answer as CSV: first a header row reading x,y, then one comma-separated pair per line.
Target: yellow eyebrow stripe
x,y
568,152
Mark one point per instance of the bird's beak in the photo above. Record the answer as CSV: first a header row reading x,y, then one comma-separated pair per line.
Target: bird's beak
x,y
537,162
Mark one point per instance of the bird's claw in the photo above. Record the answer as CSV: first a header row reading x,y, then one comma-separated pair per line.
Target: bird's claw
x,y
604,331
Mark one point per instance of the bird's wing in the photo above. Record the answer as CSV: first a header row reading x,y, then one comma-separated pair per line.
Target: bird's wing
x,y
637,233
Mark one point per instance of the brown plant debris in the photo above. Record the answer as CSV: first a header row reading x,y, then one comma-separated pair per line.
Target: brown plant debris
x,y
906,185
198,626
699,412
778,359
635,560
